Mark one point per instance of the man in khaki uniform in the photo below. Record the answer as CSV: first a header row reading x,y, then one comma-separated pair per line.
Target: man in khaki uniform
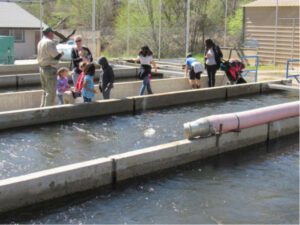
x,y
48,58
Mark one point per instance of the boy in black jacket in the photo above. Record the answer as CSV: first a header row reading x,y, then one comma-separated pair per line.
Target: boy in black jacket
x,y
108,77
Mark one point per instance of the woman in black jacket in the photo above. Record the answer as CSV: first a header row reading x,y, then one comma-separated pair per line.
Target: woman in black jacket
x,y
108,77
79,54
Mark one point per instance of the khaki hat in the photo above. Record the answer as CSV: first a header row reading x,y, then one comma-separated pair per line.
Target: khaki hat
x,y
47,30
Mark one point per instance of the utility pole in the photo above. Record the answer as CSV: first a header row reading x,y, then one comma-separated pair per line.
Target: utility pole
x,y
187,34
128,24
41,17
225,28
276,32
94,26
159,31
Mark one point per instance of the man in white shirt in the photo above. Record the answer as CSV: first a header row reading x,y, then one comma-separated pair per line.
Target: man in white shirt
x,y
48,58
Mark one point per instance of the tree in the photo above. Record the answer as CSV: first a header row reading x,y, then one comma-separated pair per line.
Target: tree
x,y
141,26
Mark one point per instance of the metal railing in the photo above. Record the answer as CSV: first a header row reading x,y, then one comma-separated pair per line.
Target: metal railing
x,y
246,72
296,76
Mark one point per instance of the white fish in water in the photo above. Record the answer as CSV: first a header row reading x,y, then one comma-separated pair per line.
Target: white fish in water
x,y
93,137
80,130
149,132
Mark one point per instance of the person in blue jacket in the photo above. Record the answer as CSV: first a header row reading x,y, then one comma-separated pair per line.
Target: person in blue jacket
x,y
194,68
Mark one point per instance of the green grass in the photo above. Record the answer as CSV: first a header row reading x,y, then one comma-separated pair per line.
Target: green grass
x,y
267,67
200,57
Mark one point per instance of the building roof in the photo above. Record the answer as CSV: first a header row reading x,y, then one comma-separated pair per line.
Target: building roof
x,y
273,3
14,16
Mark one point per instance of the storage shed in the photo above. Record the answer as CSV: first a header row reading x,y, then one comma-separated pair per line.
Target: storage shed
x,y
274,26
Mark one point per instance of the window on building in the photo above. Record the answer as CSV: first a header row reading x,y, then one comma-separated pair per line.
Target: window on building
x,y
18,34
4,32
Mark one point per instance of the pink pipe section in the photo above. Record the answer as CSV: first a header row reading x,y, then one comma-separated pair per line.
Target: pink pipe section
x,y
240,120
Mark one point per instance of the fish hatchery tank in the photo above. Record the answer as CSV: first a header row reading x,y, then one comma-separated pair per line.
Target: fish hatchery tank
x,y
256,185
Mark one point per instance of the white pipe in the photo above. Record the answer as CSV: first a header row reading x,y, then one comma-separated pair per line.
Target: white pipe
x,y
235,121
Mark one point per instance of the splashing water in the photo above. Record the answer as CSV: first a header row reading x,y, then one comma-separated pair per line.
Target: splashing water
x,y
149,132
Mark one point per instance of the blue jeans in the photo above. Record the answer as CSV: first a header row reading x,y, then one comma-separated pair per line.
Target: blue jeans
x,y
85,99
60,99
146,84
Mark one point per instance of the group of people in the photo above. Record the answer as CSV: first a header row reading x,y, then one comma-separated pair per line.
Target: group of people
x,y
213,56
55,81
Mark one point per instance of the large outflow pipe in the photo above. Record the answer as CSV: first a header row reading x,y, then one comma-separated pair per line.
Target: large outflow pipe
x,y
236,121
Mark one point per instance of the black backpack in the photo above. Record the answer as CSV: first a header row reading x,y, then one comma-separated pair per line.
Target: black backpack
x,y
218,55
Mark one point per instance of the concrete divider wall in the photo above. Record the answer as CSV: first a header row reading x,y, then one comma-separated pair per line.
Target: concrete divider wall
x,y
180,97
19,80
22,100
45,185
153,159
261,87
27,117
126,72
198,95
28,79
265,85
35,116
7,81
127,89
32,99
26,68
53,183
283,127
243,89
24,80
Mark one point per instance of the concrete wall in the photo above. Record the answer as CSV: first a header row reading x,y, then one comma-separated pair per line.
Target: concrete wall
x,y
32,99
65,112
30,79
53,183
23,69
27,117
49,184
22,100
144,161
177,98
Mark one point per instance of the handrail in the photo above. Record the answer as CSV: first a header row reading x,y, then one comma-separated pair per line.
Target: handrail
x,y
296,76
245,72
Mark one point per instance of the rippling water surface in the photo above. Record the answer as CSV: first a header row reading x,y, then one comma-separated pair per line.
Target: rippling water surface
x,y
256,185
32,149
